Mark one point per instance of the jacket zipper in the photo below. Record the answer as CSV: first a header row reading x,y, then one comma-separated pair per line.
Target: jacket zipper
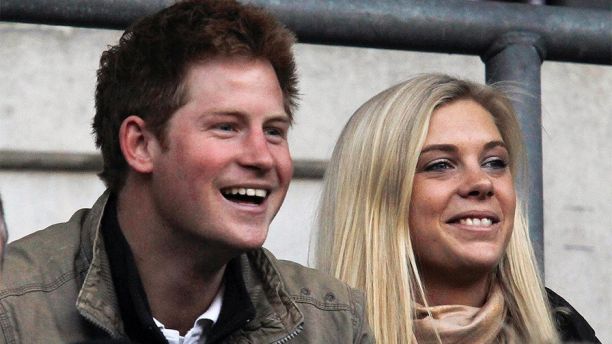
x,y
291,335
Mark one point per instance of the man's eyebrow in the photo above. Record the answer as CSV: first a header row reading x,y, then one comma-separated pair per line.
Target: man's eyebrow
x,y
280,117
226,113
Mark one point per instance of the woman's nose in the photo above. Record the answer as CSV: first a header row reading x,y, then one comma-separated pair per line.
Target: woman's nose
x,y
476,183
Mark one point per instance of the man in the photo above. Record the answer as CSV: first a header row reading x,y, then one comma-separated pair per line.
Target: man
x,y
193,107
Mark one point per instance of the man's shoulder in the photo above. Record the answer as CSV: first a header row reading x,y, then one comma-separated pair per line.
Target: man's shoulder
x,y
44,256
42,278
331,306
298,275
55,252
306,284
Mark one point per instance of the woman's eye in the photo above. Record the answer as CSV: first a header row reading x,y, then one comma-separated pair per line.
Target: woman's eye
x,y
438,166
495,163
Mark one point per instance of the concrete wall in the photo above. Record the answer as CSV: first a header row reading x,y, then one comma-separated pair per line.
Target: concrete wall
x,y
46,103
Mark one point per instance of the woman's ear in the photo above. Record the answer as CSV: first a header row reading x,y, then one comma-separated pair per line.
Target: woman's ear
x,y
138,144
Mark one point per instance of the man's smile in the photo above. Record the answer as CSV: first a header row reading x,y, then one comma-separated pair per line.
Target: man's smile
x,y
245,195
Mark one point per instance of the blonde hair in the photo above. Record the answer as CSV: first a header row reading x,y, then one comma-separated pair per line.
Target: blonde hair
x,y
364,238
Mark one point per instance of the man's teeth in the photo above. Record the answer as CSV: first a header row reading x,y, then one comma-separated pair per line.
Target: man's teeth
x,y
246,191
484,222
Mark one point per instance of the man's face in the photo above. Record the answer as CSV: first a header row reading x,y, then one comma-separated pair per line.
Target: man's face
x,y
225,168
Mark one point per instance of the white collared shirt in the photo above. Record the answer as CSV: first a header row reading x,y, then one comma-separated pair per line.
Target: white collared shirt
x,y
197,334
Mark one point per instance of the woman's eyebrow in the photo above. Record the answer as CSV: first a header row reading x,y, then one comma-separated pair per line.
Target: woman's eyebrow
x,y
439,147
493,144
451,148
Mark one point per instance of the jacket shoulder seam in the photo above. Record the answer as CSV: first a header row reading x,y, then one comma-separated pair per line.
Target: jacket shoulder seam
x,y
37,287
322,305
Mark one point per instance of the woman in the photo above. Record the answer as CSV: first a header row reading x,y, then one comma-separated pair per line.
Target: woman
x,y
419,209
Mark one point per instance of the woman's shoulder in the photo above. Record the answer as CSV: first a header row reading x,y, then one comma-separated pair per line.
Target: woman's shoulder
x,y
571,325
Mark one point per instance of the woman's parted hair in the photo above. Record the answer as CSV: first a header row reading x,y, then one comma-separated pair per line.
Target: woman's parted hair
x,y
144,73
364,237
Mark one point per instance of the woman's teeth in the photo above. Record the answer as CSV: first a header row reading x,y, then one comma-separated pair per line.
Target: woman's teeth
x,y
484,222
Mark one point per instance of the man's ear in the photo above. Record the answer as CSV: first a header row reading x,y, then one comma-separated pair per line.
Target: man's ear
x,y
138,144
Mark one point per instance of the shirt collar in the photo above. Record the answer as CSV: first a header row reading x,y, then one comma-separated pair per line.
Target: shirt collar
x,y
213,311
201,326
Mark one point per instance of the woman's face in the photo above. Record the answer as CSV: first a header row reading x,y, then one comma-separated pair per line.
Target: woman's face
x,y
463,200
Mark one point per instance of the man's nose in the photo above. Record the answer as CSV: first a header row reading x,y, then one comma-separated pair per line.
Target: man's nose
x,y
256,152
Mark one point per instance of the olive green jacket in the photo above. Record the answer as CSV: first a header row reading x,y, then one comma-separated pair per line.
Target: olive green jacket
x,y
57,288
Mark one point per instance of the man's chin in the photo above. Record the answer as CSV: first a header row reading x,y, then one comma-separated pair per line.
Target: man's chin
x,y
245,243
252,245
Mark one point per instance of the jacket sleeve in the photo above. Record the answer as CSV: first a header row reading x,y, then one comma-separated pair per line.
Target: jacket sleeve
x,y
362,333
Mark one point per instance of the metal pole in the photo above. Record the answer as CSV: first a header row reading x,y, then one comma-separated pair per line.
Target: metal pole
x,y
516,58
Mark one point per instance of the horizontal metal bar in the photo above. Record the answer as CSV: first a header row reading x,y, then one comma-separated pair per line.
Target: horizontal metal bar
x,y
447,26
92,162
309,169
50,161
104,14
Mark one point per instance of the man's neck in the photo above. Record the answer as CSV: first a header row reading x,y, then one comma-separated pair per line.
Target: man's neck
x,y
177,302
180,276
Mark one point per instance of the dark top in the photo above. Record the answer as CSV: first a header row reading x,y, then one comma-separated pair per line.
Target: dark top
x,y
236,310
571,325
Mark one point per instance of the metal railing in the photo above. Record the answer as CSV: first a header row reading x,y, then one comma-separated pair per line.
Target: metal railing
x,y
512,40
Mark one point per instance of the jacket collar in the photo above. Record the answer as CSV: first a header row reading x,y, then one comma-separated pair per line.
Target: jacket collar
x,y
97,300
276,313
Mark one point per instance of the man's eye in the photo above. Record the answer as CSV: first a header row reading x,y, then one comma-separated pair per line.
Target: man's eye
x,y
225,127
274,132
438,166
495,163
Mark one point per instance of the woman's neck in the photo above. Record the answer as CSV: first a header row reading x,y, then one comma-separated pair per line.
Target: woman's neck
x,y
448,292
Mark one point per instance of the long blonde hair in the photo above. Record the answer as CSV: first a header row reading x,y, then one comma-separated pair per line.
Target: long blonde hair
x,y
363,236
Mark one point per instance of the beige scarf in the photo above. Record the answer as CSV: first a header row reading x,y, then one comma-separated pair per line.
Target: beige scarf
x,y
462,324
